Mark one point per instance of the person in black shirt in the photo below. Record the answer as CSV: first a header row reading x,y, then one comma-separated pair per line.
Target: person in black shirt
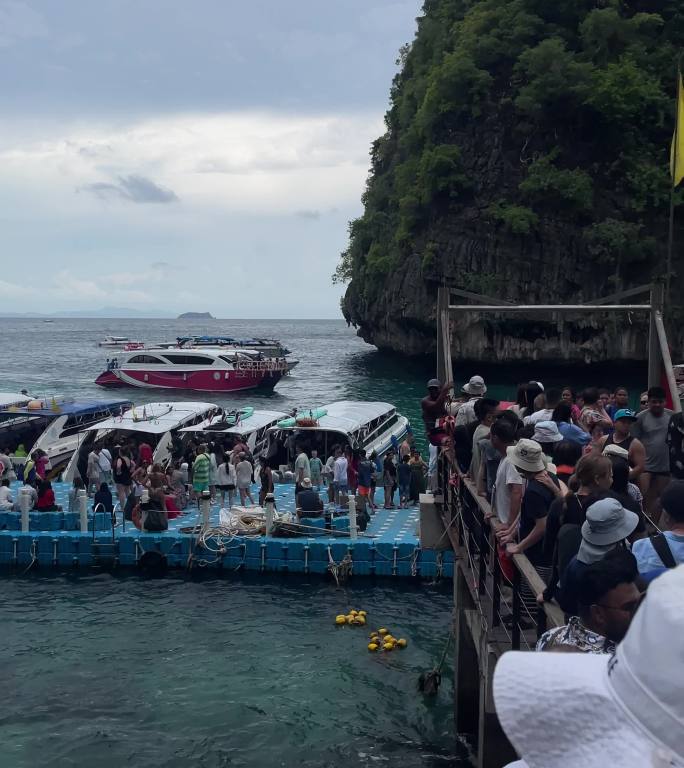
x,y
309,503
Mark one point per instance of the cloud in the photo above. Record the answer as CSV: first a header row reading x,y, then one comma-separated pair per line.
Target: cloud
x,y
18,21
242,162
133,188
13,290
309,214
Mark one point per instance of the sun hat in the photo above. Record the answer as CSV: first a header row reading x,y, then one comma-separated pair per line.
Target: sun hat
x,y
434,384
306,483
546,432
475,386
539,384
624,413
526,455
607,523
593,710
616,450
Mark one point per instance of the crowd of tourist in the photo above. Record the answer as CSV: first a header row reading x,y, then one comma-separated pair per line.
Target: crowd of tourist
x,y
592,493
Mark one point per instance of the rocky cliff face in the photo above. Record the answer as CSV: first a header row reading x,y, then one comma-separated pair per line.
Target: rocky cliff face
x,y
526,159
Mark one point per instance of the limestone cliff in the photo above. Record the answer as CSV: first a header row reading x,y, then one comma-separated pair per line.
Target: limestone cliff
x,y
525,158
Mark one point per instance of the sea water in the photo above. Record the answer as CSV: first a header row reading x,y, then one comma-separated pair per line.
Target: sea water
x,y
237,671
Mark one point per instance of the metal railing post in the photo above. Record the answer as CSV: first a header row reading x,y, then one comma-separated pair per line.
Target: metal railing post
x,y
517,602
496,588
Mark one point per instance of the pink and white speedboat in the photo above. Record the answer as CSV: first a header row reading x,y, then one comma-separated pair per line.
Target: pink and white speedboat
x,y
203,369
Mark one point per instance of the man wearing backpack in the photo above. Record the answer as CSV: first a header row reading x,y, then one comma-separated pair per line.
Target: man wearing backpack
x,y
666,549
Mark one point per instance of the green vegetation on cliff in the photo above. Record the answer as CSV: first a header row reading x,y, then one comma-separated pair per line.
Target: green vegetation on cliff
x,y
542,123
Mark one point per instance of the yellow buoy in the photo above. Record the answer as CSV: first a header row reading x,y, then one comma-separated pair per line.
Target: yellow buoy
x,y
387,646
340,620
359,620
349,618
383,631
363,613
373,646
401,643
353,613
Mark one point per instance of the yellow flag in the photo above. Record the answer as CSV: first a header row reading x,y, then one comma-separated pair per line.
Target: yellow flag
x,y
677,148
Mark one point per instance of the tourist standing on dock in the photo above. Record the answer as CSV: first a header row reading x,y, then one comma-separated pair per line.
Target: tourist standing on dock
x,y
339,475
433,410
365,477
607,598
123,475
622,437
302,468
5,463
562,415
93,471
243,473
568,396
201,471
145,454
389,479
104,459
266,480
651,428
593,413
540,490
316,468
666,549
418,473
226,480
552,398
508,485
6,500
620,401
475,389
404,482
485,409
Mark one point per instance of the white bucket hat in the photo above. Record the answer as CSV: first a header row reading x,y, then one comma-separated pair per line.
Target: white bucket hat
x,y
594,711
616,450
475,386
546,432
527,455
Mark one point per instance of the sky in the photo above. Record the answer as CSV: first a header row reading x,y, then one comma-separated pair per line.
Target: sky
x,y
174,156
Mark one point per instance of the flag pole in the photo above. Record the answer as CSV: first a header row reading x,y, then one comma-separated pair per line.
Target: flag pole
x,y
670,236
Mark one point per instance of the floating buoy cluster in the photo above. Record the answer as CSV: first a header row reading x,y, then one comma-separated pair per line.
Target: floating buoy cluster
x,y
383,640
353,618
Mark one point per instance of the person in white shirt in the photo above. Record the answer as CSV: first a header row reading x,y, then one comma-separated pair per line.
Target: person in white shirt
x,y
6,500
508,486
552,398
476,388
339,475
93,471
302,469
33,496
226,480
243,475
104,460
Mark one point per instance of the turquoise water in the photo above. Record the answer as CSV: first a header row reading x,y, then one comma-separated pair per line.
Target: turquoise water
x,y
233,672
107,672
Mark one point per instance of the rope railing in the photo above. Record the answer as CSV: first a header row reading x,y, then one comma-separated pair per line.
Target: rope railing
x,y
506,605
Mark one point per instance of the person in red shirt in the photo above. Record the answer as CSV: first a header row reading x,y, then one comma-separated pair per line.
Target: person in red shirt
x,y
46,498
145,454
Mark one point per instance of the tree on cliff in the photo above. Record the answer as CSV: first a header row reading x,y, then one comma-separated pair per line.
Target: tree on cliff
x,y
526,155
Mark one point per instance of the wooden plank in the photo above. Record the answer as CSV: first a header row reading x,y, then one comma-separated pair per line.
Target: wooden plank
x,y
549,308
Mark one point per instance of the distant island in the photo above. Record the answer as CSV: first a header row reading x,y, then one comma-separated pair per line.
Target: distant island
x,y
196,316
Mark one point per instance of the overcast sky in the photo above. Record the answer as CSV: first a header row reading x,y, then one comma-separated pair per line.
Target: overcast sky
x,y
206,155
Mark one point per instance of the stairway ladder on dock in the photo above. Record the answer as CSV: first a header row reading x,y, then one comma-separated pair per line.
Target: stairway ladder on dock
x,y
104,553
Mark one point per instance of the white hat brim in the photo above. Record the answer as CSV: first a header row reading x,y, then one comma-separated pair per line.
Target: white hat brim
x,y
557,711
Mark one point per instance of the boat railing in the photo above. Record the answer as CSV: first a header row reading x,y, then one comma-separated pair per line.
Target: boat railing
x,y
502,589
261,365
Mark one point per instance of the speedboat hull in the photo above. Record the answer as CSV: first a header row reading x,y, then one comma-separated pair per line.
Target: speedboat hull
x,y
199,381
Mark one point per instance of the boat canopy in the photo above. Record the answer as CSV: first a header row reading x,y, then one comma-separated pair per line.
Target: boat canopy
x,y
155,418
349,416
258,420
55,406
8,399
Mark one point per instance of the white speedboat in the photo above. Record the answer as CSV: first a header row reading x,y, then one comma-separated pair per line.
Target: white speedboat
x,y
120,342
374,426
156,424
248,426
53,425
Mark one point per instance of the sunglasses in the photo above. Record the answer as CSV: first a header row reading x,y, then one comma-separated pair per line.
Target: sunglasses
x,y
643,402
